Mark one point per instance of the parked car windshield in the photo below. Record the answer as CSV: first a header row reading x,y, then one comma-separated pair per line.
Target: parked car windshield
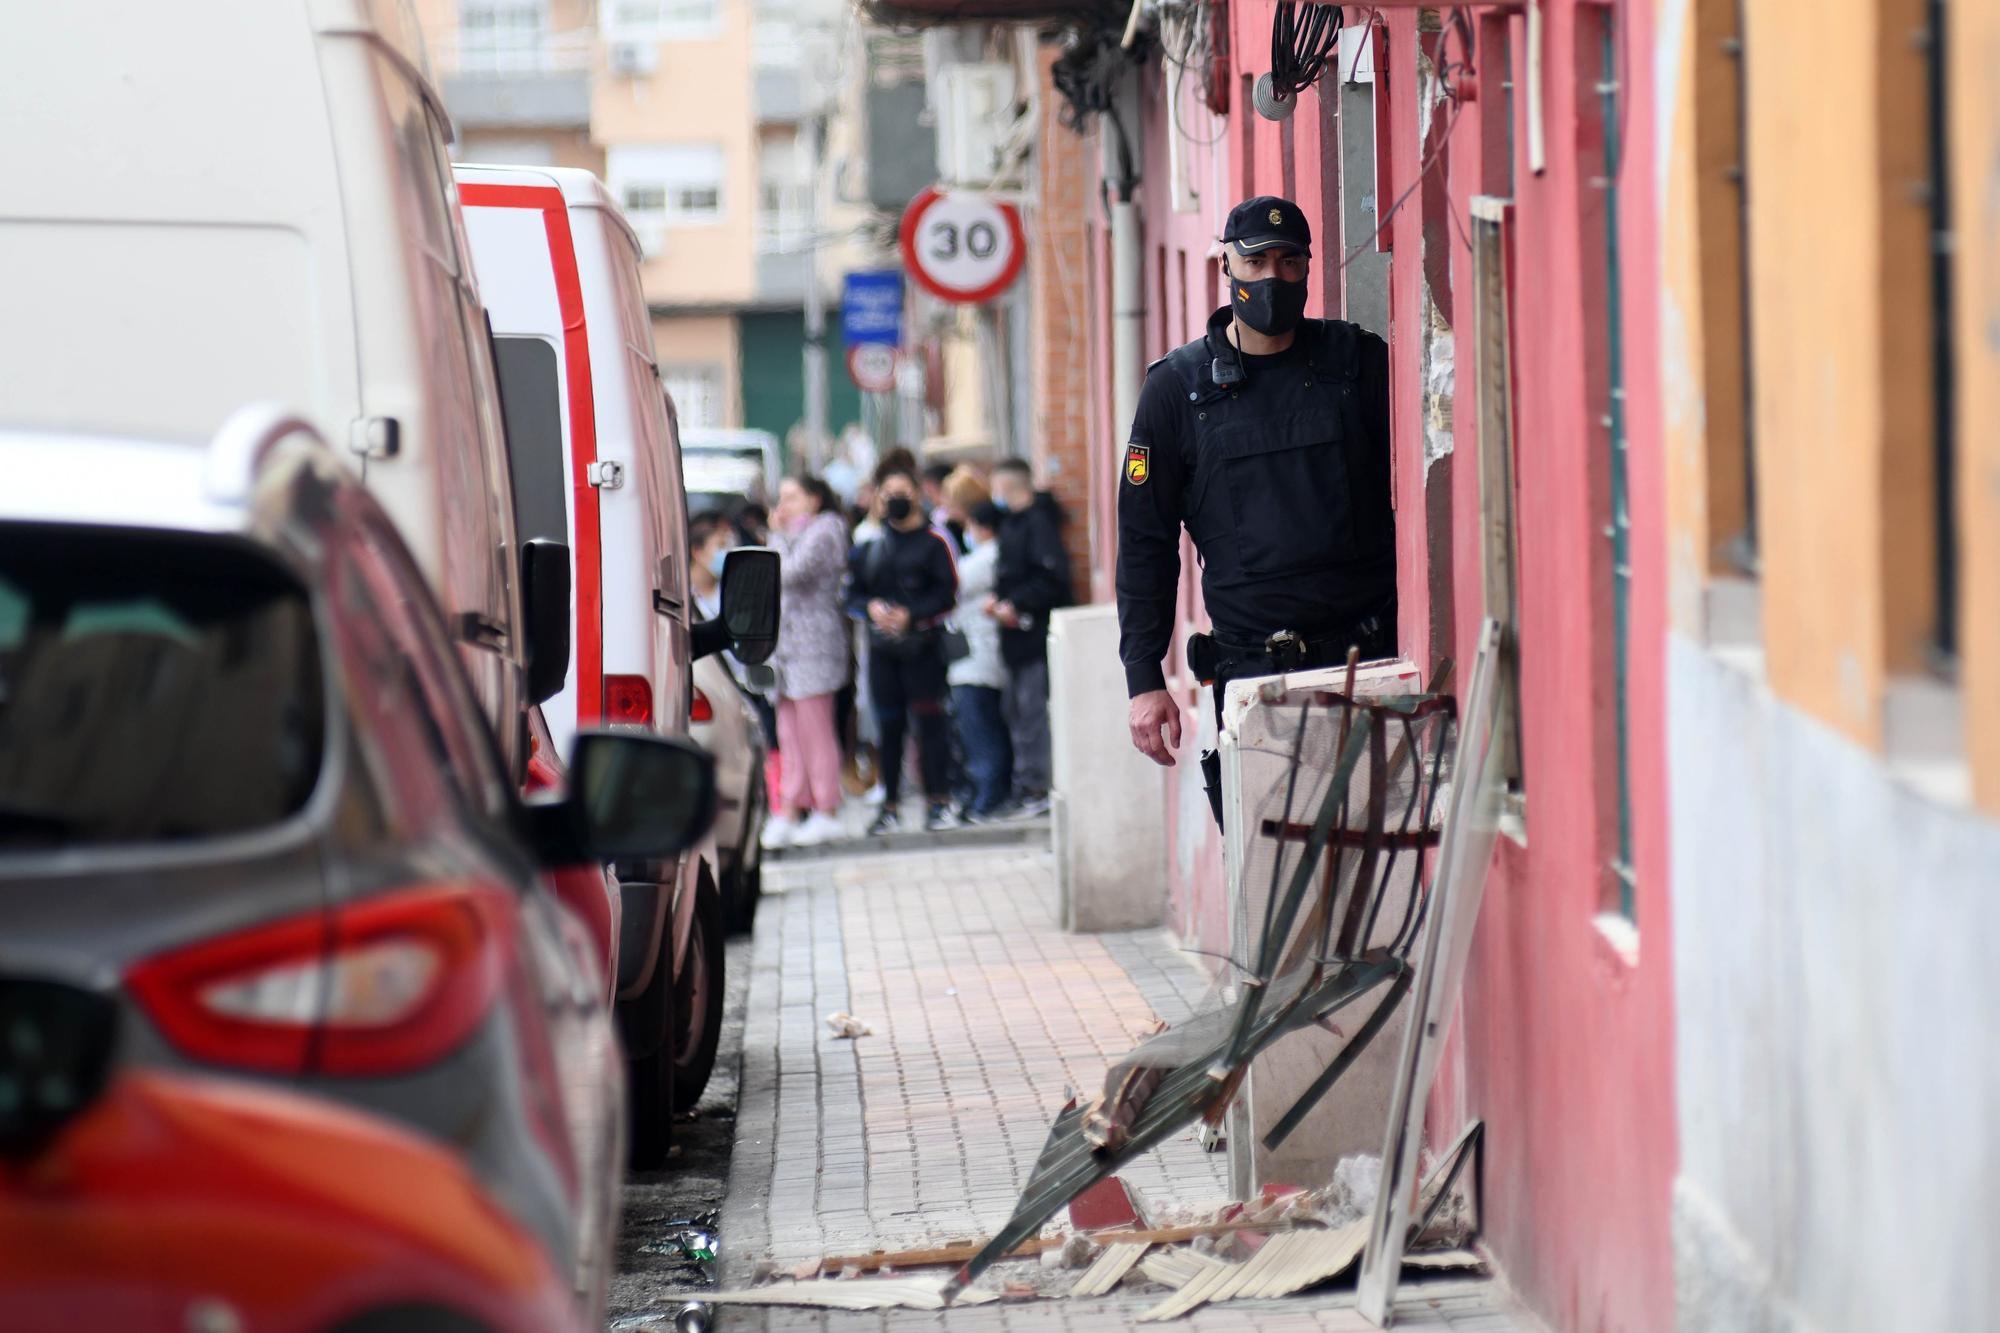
x,y
153,688
722,479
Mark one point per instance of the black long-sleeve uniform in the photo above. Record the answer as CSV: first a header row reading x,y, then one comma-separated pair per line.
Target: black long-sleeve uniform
x,y
1282,480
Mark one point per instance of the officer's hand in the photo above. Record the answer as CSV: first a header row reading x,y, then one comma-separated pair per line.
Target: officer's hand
x,y
1151,712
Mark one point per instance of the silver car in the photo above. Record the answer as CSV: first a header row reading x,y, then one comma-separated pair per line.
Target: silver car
x,y
242,774
726,725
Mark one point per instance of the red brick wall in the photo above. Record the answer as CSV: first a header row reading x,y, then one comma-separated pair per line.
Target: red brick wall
x,y
1058,276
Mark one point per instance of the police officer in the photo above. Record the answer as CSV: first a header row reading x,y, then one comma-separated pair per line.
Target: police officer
x,y
1268,437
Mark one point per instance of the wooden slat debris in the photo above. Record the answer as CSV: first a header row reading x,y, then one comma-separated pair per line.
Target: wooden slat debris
x,y
1177,1268
1444,1259
1288,1262
908,1293
1110,1268
957,1252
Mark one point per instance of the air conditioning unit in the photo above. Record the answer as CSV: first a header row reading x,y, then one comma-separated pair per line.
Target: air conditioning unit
x,y
975,111
635,59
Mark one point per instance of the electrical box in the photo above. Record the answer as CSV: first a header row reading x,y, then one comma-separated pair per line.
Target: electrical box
x,y
975,112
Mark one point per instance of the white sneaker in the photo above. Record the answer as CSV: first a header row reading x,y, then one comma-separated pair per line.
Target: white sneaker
x,y
818,827
779,832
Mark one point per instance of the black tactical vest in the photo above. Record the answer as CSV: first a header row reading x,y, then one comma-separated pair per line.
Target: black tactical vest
x,y
1286,477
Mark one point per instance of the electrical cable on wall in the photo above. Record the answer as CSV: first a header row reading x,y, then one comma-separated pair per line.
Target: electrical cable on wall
x,y
1192,55
1303,39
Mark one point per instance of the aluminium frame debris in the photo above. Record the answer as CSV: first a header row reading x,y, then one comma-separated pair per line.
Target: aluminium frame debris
x,y
1313,958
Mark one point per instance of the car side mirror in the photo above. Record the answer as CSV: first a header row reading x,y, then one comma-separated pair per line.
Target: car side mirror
x,y
56,1043
631,797
545,609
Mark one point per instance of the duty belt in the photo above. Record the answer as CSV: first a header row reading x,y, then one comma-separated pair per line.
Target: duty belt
x,y
1292,650
1287,650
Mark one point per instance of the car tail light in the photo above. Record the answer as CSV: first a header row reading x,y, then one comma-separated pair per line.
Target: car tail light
x,y
701,710
628,699
381,986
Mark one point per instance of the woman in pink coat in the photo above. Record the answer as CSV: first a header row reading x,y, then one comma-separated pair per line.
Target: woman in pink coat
x,y
812,661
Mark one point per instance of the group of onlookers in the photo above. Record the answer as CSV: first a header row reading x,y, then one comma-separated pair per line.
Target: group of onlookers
x,y
933,594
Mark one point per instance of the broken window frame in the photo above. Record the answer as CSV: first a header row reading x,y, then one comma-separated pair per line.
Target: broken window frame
x,y
1493,374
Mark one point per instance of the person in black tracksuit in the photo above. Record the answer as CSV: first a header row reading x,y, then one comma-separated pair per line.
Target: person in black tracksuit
x,y
1268,438
902,585
1030,580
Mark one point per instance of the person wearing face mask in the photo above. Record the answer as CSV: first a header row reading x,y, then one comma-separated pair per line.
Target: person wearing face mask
x,y
902,586
1268,439
811,661
710,537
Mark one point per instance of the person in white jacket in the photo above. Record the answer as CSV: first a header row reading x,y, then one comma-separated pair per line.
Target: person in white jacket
x,y
979,679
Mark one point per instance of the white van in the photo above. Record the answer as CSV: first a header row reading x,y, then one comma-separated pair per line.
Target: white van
x,y
596,465
725,467
216,202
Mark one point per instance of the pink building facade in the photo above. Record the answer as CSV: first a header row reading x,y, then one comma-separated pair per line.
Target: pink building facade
x,y
1565,1046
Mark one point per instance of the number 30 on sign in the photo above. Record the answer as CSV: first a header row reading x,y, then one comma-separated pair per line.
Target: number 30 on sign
x,y
962,246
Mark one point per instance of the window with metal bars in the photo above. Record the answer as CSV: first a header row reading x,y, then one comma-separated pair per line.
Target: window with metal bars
x,y
1741,550
1600,141
1944,436
1493,376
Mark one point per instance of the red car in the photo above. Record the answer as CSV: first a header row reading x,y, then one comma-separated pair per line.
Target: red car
x,y
191,1204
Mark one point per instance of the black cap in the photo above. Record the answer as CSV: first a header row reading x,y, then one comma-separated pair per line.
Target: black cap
x,y
1260,223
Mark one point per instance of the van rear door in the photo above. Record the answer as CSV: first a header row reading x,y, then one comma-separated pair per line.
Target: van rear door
x,y
520,241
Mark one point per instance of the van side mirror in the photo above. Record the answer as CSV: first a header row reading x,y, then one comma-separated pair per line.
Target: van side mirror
x,y
56,1042
750,596
631,797
545,608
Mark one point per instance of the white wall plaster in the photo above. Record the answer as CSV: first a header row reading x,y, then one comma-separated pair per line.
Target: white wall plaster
x,y
1836,1068
1439,352
1440,381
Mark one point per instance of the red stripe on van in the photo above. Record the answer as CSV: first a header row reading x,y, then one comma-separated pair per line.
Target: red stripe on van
x,y
582,427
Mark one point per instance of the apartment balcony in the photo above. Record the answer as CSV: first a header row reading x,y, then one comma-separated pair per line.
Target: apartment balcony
x,y
932,13
778,94
782,277
519,99
539,83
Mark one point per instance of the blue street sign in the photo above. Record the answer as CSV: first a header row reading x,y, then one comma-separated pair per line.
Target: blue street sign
x,y
871,307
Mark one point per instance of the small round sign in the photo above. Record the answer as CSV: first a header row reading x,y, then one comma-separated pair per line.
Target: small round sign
x,y
872,367
962,246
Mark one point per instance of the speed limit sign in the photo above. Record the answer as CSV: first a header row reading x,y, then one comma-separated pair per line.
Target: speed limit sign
x,y
962,246
872,367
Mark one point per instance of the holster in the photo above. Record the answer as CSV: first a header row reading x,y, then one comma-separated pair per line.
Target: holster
x,y
1211,782
1204,655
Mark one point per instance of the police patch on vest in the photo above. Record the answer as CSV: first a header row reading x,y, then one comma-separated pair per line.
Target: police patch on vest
x,y
1135,463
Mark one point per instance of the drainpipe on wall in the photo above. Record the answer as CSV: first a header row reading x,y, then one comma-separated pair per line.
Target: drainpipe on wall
x,y
815,310
1110,848
1128,288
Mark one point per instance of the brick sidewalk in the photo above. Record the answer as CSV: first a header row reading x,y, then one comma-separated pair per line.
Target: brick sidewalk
x,y
984,1014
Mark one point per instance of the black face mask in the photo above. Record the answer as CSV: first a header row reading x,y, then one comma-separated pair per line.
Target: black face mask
x,y
1268,305
897,508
